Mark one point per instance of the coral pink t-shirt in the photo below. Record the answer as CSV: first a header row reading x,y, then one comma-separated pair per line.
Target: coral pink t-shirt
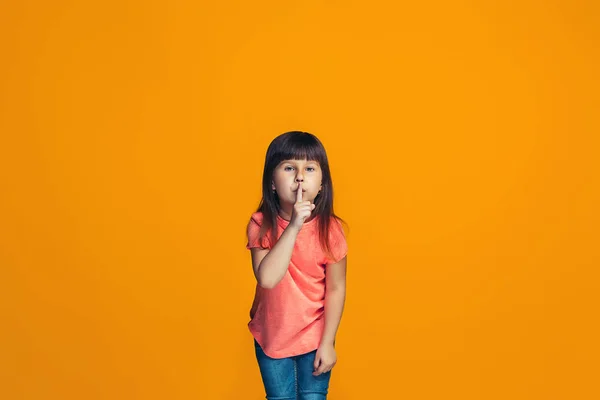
x,y
289,319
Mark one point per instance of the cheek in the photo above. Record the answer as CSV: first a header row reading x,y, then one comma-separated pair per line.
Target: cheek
x,y
281,179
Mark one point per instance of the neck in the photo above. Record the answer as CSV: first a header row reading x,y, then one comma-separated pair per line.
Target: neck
x,y
285,212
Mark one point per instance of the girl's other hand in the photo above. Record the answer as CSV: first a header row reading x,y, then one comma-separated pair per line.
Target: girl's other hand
x,y
325,359
301,210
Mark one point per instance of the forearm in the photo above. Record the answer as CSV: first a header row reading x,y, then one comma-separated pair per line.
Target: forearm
x,y
334,306
272,268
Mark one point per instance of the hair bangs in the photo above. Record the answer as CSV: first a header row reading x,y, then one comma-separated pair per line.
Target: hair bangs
x,y
301,147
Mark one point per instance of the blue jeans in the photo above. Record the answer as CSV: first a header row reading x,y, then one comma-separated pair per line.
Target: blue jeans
x,y
291,378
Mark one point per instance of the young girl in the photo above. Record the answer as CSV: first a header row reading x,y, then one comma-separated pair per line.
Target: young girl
x,y
298,253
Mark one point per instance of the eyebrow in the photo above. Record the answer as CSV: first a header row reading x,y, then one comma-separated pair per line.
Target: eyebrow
x,y
296,161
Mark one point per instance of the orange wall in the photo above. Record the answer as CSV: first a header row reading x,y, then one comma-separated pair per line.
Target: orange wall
x,y
463,140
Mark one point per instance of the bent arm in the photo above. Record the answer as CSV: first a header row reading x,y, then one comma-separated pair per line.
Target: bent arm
x,y
270,265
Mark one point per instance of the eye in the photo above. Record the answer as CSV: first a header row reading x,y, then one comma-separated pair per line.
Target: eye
x,y
286,168
311,168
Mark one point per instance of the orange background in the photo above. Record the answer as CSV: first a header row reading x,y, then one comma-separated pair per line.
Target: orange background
x,y
463,141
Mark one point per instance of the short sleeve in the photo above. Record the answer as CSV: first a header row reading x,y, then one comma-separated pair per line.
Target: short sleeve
x,y
253,231
337,241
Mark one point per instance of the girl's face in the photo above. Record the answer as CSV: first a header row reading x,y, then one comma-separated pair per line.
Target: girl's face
x,y
287,175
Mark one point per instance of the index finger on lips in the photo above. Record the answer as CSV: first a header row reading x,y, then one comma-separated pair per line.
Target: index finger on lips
x,y
299,193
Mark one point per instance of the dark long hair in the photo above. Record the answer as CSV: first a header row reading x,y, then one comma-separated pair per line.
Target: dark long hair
x,y
297,145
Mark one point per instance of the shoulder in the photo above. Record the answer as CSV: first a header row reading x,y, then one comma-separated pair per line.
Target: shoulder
x,y
253,231
335,225
336,230
257,218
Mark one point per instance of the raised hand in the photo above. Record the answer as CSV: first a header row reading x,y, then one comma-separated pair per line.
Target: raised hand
x,y
301,210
